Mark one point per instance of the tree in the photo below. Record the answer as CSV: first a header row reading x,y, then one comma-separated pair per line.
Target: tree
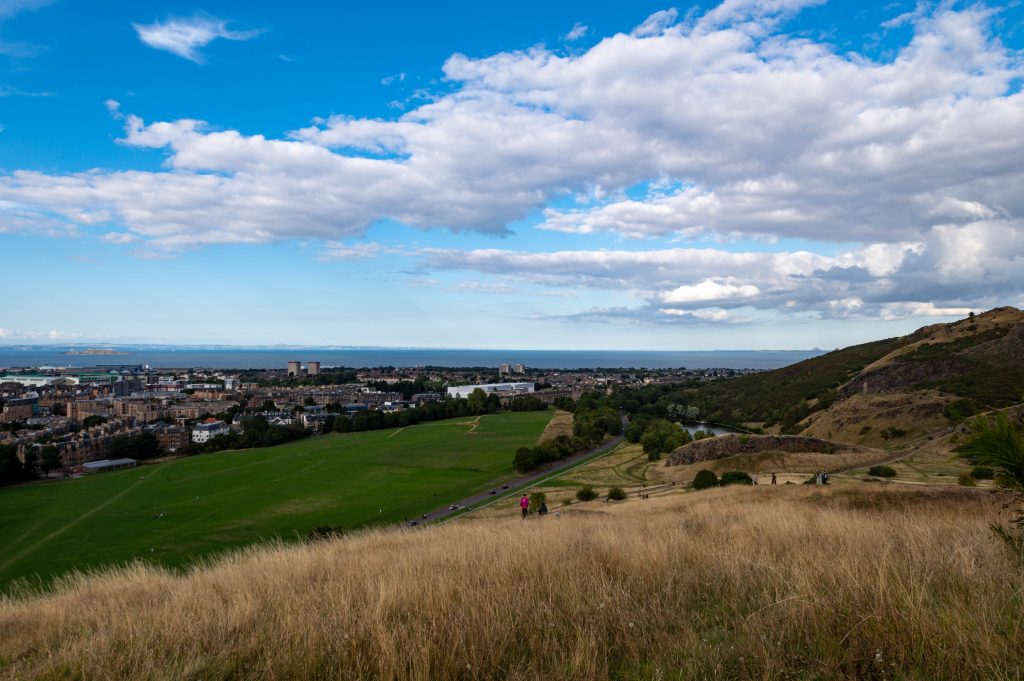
x,y
50,459
998,443
477,401
93,420
705,479
11,471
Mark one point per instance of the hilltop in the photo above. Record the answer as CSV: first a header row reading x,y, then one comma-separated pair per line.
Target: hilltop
x,y
882,392
934,379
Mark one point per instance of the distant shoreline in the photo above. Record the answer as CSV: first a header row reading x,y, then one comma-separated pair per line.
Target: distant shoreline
x,y
93,351
240,359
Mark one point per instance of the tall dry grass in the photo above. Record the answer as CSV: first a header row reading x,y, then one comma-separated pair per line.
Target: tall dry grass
x,y
734,583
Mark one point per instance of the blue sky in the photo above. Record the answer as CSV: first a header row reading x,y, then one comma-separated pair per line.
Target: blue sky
x,y
738,175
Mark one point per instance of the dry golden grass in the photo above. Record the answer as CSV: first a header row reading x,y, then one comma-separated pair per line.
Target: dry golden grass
x,y
560,424
785,582
861,419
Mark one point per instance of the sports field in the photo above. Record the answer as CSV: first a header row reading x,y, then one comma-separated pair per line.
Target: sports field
x,y
177,511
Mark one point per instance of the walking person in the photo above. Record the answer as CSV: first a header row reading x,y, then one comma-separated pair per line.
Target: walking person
x,y
754,478
774,479
524,504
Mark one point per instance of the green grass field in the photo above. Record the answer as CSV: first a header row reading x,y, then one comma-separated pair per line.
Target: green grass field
x,y
228,499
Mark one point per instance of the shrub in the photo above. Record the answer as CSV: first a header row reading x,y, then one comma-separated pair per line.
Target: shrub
x,y
586,493
966,480
983,473
653,455
616,494
536,500
882,471
324,532
893,432
735,478
705,479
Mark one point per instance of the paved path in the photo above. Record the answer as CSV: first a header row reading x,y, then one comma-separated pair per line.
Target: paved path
x,y
521,484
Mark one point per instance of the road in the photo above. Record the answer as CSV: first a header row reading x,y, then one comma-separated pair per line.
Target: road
x,y
525,482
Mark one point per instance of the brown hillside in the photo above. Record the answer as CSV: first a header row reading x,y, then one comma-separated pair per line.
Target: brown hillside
x,y
944,352
921,389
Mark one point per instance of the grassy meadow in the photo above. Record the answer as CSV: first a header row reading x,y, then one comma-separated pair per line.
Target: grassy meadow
x,y
795,582
173,512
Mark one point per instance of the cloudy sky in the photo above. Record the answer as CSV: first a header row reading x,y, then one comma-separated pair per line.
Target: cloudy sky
x,y
744,175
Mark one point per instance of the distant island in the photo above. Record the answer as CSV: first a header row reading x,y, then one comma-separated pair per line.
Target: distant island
x,y
95,351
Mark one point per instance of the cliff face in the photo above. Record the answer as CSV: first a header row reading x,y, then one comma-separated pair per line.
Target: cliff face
x,y
731,445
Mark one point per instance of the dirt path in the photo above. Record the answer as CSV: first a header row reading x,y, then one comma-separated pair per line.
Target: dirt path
x,y
525,482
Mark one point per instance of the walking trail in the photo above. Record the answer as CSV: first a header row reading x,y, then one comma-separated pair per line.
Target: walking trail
x,y
520,485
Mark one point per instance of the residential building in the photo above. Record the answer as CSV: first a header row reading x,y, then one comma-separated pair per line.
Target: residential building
x,y
205,432
294,368
501,389
312,368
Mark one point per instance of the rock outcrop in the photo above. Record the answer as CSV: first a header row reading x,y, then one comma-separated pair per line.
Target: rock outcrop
x,y
724,446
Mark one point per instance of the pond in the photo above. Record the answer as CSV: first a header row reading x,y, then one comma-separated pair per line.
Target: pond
x,y
717,430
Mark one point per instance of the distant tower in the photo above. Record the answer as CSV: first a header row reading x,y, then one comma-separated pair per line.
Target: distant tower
x,y
503,369
312,368
519,369
294,368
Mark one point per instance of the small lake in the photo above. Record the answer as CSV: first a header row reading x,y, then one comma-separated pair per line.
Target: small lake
x,y
717,430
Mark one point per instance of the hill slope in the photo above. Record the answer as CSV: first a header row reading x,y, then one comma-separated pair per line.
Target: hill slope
x,y
744,582
940,375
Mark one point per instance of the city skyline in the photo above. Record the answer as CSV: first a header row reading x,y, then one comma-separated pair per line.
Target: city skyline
x,y
752,174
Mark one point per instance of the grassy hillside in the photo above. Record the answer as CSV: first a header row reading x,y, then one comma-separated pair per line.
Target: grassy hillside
x,y
744,582
970,364
780,395
171,513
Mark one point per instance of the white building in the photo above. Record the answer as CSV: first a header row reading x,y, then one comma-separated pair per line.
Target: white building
x,y
204,432
499,388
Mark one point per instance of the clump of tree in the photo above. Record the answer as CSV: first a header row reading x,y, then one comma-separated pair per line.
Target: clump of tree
x,y
145,445
92,421
587,493
592,422
657,435
256,433
527,403
617,494
12,470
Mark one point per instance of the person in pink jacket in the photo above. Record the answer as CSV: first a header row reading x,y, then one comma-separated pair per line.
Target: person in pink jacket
x,y
524,504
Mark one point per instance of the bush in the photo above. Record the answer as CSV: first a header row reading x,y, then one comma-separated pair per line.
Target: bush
x,y
705,479
324,532
966,480
983,473
735,478
892,432
882,471
616,494
586,493
537,499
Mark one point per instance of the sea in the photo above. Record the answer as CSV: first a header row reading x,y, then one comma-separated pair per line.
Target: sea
x,y
168,357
